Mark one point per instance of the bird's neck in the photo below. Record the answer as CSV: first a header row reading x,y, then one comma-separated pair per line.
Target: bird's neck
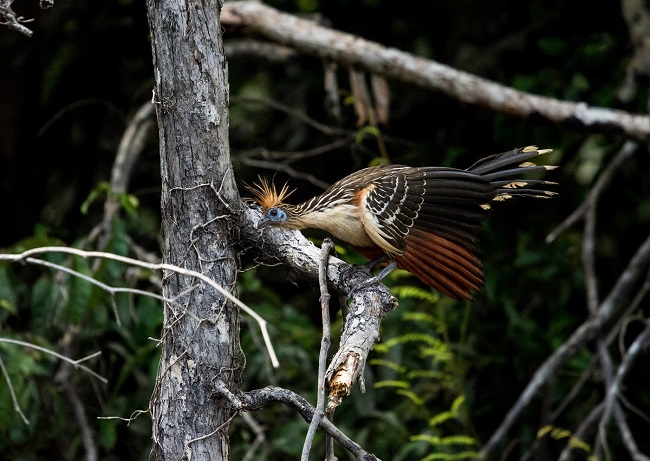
x,y
342,221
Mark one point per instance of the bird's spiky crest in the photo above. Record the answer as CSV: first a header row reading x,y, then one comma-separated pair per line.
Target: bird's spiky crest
x,y
267,195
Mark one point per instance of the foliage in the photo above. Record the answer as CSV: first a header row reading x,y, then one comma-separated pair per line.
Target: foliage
x,y
67,314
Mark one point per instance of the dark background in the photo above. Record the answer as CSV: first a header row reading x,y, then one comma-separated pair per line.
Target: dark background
x,y
66,95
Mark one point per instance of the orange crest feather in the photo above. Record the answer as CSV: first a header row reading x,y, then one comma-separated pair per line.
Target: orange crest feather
x,y
267,195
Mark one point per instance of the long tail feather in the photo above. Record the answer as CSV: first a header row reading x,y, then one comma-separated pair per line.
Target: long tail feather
x,y
497,161
442,264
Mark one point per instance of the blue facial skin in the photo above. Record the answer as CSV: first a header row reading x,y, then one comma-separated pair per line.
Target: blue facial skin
x,y
272,216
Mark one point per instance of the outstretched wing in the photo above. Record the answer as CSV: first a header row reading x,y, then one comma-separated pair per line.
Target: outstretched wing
x,y
427,219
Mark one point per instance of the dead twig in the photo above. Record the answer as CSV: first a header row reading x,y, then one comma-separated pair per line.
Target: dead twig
x,y
10,386
259,398
323,128
248,48
27,256
614,388
326,250
369,304
131,145
607,310
8,18
601,184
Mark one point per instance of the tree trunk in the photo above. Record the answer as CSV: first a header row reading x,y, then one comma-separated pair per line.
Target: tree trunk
x,y
200,337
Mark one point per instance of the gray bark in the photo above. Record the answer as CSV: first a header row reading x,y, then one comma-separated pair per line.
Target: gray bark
x,y
200,337
369,304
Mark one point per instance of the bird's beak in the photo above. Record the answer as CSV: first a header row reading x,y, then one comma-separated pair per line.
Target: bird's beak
x,y
263,222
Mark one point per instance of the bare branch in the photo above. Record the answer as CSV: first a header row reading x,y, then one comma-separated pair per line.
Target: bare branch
x,y
25,255
289,157
637,16
594,193
369,303
331,87
8,18
282,166
579,383
87,434
626,435
607,310
281,161
381,96
315,124
607,370
110,107
360,331
249,48
107,288
353,51
362,105
589,258
10,386
326,249
260,437
254,400
75,363
583,430
614,387
131,145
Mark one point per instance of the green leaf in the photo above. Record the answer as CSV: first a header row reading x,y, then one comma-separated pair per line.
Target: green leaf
x,y
43,299
130,203
412,396
377,161
431,375
307,6
447,415
101,190
449,440
108,433
392,383
387,363
8,306
441,418
458,401
552,46
452,457
80,291
407,291
8,297
367,130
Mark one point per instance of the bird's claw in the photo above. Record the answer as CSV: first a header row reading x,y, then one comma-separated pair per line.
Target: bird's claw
x,y
374,279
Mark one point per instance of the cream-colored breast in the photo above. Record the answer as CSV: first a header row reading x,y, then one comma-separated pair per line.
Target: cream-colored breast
x,y
342,221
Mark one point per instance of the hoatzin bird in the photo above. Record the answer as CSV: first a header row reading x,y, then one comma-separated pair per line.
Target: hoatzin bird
x,y
423,220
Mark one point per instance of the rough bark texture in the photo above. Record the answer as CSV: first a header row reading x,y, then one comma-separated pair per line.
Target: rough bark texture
x,y
368,305
200,338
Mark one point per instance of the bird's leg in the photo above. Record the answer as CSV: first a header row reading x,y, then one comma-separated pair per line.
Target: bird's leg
x,y
390,267
371,264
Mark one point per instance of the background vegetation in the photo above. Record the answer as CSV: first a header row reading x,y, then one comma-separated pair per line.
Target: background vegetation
x,y
445,373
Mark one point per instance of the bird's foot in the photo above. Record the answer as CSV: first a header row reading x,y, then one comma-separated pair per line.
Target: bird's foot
x,y
376,278
371,264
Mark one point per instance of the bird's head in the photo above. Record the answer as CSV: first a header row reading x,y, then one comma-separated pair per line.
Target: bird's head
x,y
275,215
274,210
